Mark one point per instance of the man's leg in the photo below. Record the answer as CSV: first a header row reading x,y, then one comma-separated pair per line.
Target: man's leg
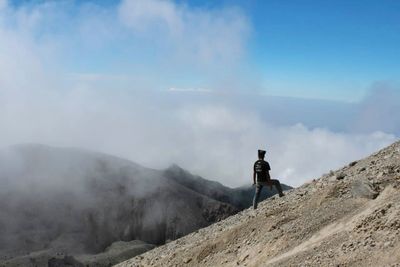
x,y
278,186
257,195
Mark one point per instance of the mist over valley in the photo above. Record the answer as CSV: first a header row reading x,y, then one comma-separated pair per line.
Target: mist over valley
x,y
69,201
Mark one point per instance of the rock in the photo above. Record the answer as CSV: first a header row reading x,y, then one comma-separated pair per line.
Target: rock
x,y
187,260
244,257
340,176
363,189
353,163
361,169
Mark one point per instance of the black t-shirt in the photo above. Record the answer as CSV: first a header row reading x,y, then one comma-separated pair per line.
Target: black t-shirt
x,y
262,168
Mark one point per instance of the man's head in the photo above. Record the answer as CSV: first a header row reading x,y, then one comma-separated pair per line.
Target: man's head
x,y
261,154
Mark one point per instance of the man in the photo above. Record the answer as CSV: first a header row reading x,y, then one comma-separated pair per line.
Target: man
x,y
261,170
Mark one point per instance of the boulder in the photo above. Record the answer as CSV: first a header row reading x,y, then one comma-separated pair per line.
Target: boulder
x,y
363,189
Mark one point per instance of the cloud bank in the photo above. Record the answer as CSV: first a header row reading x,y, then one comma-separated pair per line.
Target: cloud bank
x,y
54,89
205,36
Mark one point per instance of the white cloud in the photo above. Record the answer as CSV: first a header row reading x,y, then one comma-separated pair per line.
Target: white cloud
x,y
224,143
143,15
379,109
212,139
209,136
193,34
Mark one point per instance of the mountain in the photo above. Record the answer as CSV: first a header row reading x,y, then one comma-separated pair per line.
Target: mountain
x,y
348,217
57,202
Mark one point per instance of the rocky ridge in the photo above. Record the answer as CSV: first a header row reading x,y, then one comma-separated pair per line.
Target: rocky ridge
x,y
348,217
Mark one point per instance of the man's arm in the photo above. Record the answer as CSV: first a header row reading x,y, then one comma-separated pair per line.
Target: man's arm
x,y
269,176
254,173
268,169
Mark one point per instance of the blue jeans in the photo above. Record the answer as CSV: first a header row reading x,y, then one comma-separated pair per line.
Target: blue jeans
x,y
260,185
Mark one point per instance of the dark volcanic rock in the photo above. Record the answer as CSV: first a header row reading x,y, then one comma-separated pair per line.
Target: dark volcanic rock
x,y
67,261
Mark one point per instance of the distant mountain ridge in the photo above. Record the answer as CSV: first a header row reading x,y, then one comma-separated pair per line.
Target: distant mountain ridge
x,y
69,201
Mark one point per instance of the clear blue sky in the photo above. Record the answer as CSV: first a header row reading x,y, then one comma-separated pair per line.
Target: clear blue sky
x,y
328,45
303,48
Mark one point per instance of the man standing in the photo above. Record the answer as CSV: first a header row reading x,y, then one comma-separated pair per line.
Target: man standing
x,y
261,171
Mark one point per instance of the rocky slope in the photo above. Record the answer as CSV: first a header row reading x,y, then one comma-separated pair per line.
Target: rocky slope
x,y
99,208
348,217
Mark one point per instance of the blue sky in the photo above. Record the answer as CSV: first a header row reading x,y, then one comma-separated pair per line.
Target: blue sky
x,y
327,47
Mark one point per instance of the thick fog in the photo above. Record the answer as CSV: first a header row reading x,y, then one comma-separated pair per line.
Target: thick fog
x,y
72,201
136,113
